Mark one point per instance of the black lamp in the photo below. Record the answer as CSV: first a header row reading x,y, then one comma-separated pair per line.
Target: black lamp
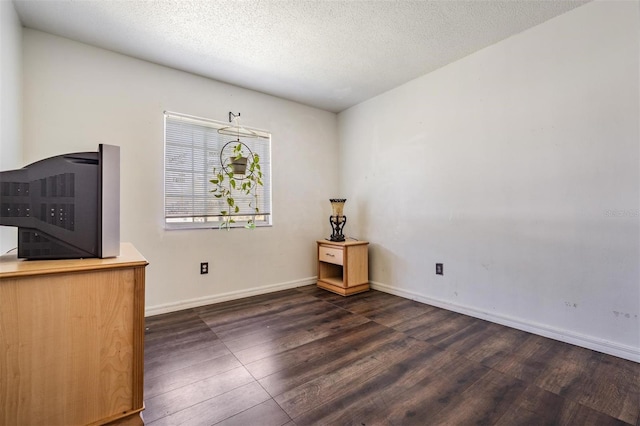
x,y
337,219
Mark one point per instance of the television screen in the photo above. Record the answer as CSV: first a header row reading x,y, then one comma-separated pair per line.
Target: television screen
x,y
65,207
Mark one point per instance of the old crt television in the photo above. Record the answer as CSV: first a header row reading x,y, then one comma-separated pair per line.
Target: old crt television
x,y
65,207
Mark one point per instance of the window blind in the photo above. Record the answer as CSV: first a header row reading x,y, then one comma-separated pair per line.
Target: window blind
x,y
193,148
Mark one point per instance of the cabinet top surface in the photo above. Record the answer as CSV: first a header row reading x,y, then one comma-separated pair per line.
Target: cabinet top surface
x,y
342,243
11,266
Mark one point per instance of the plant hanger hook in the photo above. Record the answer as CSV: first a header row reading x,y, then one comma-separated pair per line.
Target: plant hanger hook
x,y
237,130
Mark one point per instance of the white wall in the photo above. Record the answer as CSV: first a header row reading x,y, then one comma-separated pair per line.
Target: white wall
x,y
518,168
77,96
10,103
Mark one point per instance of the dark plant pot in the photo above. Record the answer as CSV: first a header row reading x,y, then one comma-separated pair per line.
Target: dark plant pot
x,y
239,165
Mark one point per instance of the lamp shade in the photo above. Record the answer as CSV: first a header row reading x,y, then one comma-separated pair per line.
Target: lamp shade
x,y
337,206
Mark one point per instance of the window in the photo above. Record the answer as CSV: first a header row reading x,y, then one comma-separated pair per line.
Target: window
x,y
193,148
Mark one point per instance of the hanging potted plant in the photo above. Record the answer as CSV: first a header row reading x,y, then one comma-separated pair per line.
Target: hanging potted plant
x,y
239,175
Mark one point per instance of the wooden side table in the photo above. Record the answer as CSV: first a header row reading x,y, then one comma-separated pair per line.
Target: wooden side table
x,y
343,267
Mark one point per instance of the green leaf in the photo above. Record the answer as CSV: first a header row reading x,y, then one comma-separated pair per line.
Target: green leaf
x,y
217,195
223,212
233,183
230,201
237,209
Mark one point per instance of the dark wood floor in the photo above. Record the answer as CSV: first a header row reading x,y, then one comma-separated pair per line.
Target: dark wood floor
x,y
306,357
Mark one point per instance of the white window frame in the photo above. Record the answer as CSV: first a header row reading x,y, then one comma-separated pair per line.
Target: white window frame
x,y
191,150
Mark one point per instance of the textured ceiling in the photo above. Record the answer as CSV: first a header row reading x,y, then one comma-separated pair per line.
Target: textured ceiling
x,y
327,54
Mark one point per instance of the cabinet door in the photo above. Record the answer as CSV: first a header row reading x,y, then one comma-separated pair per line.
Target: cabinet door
x,y
69,347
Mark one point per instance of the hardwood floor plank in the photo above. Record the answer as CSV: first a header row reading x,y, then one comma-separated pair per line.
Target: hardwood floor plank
x,y
420,327
272,344
227,327
583,376
217,409
368,302
397,395
371,308
614,388
341,380
434,393
293,376
221,317
171,319
537,406
398,312
176,361
440,333
239,304
179,378
396,362
285,327
163,330
564,373
468,334
590,379
253,342
322,294
344,321
268,413
307,354
186,342
176,400
275,323
484,402
496,343
327,389
530,359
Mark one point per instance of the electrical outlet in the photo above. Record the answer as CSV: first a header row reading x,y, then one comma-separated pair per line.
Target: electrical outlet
x,y
439,269
204,267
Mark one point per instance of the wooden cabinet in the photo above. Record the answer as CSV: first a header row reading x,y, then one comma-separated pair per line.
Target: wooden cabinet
x,y
72,340
343,267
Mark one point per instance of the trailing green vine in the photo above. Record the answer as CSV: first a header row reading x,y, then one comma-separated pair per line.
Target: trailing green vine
x,y
228,185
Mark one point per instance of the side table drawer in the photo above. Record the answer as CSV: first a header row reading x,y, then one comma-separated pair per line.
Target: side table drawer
x,y
330,255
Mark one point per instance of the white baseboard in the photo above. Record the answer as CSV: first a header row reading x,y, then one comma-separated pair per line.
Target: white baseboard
x,y
622,351
217,298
